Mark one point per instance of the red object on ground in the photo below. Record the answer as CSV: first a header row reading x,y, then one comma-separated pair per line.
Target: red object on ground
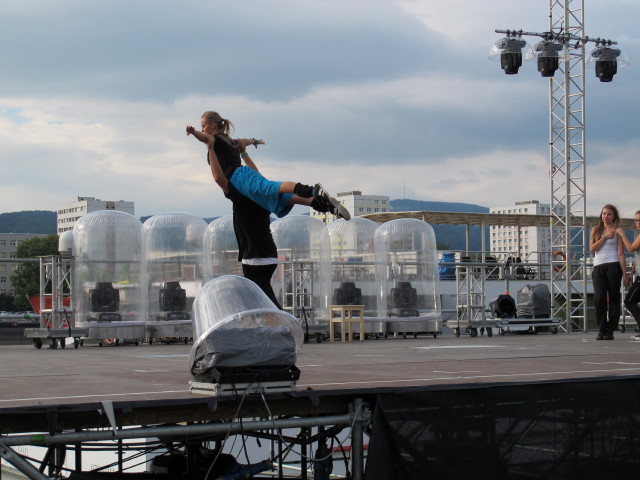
x,y
35,302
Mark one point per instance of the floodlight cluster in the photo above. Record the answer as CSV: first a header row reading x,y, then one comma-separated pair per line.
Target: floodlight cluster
x,y
553,49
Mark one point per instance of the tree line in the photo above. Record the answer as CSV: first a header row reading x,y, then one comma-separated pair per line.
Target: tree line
x,y
26,277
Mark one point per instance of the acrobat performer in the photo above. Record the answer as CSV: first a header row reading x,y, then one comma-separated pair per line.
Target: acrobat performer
x,y
225,160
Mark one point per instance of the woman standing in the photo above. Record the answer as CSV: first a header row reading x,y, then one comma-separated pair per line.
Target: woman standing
x,y
632,297
608,271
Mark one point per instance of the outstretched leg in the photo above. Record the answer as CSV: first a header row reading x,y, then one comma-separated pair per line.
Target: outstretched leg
x,y
323,204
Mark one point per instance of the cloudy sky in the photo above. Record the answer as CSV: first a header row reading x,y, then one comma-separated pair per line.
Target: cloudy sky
x,y
390,97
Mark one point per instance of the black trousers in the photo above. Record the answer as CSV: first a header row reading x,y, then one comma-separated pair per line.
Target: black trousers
x,y
632,298
606,280
261,276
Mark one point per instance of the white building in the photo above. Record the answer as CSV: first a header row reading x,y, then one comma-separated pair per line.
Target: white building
x,y
8,245
531,244
70,213
357,204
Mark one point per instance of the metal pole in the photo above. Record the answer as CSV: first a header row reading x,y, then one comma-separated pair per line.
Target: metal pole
x,y
20,463
357,440
179,430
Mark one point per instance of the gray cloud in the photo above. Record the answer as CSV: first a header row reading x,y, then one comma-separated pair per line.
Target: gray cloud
x,y
363,83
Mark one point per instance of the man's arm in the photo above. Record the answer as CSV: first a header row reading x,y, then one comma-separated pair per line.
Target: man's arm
x,y
216,170
244,155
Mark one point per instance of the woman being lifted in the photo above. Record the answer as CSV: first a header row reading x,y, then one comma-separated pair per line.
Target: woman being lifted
x,y
225,160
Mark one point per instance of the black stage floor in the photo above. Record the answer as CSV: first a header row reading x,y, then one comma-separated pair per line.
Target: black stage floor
x,y
154,378
508,406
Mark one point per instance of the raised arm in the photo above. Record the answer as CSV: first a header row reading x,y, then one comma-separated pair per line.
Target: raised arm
x,y
203,137
595,245
632,247
243,143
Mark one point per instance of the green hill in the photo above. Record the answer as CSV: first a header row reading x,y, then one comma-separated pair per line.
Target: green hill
x,y
452,237
31,221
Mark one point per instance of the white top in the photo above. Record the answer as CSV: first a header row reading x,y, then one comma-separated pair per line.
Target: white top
x,y
637,263
608,253
259,261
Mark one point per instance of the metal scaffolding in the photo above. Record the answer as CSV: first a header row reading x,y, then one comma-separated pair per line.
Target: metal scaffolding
x,y
567,147
567,168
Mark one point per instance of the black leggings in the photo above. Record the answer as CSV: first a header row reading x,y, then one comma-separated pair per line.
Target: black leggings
x,y
632,298
606,280
261,276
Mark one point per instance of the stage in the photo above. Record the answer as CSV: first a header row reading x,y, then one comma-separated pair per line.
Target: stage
x,y
57,390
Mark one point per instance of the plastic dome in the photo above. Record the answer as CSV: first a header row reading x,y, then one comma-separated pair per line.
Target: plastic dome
x,y
235,324
305,266
221,249
173,257
107,286
406,269
65,243
353,262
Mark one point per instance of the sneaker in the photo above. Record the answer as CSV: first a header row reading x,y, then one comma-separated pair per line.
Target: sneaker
x,y
636,338
319,191
335,207
338,209
321,204
330,205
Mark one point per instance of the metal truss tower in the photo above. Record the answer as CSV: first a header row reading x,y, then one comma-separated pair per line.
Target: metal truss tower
x,y
567,167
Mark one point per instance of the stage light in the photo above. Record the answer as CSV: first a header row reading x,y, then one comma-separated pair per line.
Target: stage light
x,y
606,61
509,51
547,55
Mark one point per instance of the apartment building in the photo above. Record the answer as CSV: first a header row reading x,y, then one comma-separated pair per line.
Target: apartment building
x,y
531,244
8,245
357,204
69,213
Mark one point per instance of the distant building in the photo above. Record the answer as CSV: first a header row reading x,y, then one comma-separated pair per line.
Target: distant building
x,y
8,245
70,213
358,204
532,244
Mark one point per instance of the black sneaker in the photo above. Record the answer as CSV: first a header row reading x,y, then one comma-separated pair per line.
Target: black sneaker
x,y
338,209
326,204
321,204
319,191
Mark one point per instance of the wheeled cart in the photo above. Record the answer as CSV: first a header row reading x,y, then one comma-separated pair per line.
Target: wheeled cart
x,y
470,316
55,336
169,331
473,327
429,324
127,332
533,325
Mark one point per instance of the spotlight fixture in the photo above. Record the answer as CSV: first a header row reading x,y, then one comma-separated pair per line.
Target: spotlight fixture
x,y
606,61
547,55
509,51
